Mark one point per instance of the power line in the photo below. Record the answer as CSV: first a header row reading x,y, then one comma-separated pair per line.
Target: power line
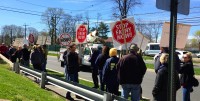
x,y
20,9
47,6
19,12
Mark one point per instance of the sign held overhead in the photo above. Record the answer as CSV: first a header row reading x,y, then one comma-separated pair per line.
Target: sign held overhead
x,y
182,35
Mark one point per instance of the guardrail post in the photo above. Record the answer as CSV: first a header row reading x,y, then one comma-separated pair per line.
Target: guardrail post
x,y
13,68
107,97
43,78
16,68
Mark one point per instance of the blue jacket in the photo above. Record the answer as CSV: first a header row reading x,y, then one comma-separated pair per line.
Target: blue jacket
x,y
110,72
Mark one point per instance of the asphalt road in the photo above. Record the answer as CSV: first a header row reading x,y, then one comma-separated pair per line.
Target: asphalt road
x,y
147,84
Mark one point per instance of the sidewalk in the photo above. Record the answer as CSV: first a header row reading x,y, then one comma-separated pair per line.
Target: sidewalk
x,y
57,90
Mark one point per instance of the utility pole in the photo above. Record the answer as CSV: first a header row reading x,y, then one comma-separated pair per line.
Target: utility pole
x,y
25,29
172,46
11,36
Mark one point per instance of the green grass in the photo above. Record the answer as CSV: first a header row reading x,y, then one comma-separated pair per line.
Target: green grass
x,y
197,71
53,54
150,66
17,88
147,57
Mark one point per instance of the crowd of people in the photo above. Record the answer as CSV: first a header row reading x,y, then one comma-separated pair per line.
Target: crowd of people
x,y
113,71
37,54
127,71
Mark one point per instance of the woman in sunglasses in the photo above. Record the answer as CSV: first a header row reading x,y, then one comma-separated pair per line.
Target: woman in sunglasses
x,y
187,73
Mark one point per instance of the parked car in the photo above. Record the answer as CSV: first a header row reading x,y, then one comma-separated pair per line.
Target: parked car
x,y
198,55
152,49
179,52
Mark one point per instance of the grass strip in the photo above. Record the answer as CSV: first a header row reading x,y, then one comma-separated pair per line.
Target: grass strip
x,y
18,88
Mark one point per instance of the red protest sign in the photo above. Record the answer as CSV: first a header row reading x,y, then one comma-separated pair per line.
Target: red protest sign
x,y
31,38
81,33
128,28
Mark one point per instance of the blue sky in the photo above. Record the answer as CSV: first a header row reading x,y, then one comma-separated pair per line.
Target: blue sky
x,y
93,7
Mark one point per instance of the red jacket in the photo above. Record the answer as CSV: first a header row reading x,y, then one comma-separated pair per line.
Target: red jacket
x,y
3,49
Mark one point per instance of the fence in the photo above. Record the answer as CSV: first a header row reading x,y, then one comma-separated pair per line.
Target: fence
x,y
84,91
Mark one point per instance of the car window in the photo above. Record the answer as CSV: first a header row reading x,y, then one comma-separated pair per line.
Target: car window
x,y
154,47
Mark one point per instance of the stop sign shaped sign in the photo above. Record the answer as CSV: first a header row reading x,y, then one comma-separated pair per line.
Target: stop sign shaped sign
x,y
81,33
31,38
123,28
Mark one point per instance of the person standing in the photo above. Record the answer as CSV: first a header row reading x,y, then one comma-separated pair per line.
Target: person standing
x,y
37,58
110,73
100,61
65,63
159,91
25,56
94,68
187,73
3,50
73,62
45,50
130,73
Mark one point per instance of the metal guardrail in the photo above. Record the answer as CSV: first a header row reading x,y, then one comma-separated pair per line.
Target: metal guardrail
x,y
83,91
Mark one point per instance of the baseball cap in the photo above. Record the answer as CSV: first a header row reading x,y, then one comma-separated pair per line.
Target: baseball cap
x,y
133,47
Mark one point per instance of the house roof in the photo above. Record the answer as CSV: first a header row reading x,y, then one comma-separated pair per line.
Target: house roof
x,y
109,39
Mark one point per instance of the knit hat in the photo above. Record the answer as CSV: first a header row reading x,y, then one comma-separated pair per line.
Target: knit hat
x,y
133,47
113,52
99,48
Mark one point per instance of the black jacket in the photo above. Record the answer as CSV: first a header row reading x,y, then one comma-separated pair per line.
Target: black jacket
x,y
25,54
160,88
131,69
93,58
100,61
72,63
161,83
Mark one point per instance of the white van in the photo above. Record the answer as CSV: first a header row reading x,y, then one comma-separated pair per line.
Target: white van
x,y
87,52
152,49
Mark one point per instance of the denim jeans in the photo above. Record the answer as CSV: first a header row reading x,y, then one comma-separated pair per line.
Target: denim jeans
x,y
66,74
44,66
26,63
186,93
73,77
134,89
101,80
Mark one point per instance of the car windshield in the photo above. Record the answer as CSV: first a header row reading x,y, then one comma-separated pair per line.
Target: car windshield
x,y
154,47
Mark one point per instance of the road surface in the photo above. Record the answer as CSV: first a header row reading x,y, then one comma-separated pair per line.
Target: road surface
x,y
147,84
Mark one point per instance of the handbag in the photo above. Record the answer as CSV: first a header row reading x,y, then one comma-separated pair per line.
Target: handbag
x,y
195,82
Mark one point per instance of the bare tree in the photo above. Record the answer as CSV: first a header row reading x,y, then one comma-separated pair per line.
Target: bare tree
x,y
51,17
32,30
123,7
10,32
151,29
